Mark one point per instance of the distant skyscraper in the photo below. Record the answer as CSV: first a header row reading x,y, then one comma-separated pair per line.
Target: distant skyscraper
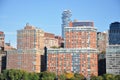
x,y
2,39
114,33
113,50
65,20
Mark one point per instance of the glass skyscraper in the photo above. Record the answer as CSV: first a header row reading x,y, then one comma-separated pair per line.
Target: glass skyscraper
x,y
114,33
65,20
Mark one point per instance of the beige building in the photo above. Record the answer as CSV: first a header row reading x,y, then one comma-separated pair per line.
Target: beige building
x,y
60,41
50,40
30,47
101,41
30,38
2,39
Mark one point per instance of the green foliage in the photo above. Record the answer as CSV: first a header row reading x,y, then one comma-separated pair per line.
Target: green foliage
x,y
79,76
25,76
62,77
99,78
33,76
108,77
2,77
117,77
48,78
47,75
13,74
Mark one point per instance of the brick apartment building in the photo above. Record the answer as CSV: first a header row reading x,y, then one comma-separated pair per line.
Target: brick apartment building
x,y
82,61
28,60
30,47
80,52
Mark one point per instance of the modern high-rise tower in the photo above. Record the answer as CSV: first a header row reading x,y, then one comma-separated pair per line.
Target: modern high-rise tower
x,y
65,20
113,50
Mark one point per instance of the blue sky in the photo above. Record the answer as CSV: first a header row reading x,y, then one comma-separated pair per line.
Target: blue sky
x,y
46,14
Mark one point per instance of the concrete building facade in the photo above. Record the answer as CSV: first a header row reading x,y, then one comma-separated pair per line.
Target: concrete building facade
x,y
113,59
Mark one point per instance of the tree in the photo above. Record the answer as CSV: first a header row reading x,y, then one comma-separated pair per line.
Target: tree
x,y
93,78
33,76
108,77
117,77
62,77
25,76
99,78
69,75
13,74
47,75
79,76
2,77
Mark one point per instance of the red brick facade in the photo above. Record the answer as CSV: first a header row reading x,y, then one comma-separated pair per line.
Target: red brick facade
x,y
26,61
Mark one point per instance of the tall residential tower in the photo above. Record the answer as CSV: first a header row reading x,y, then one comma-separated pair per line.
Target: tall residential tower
x,y
65,20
